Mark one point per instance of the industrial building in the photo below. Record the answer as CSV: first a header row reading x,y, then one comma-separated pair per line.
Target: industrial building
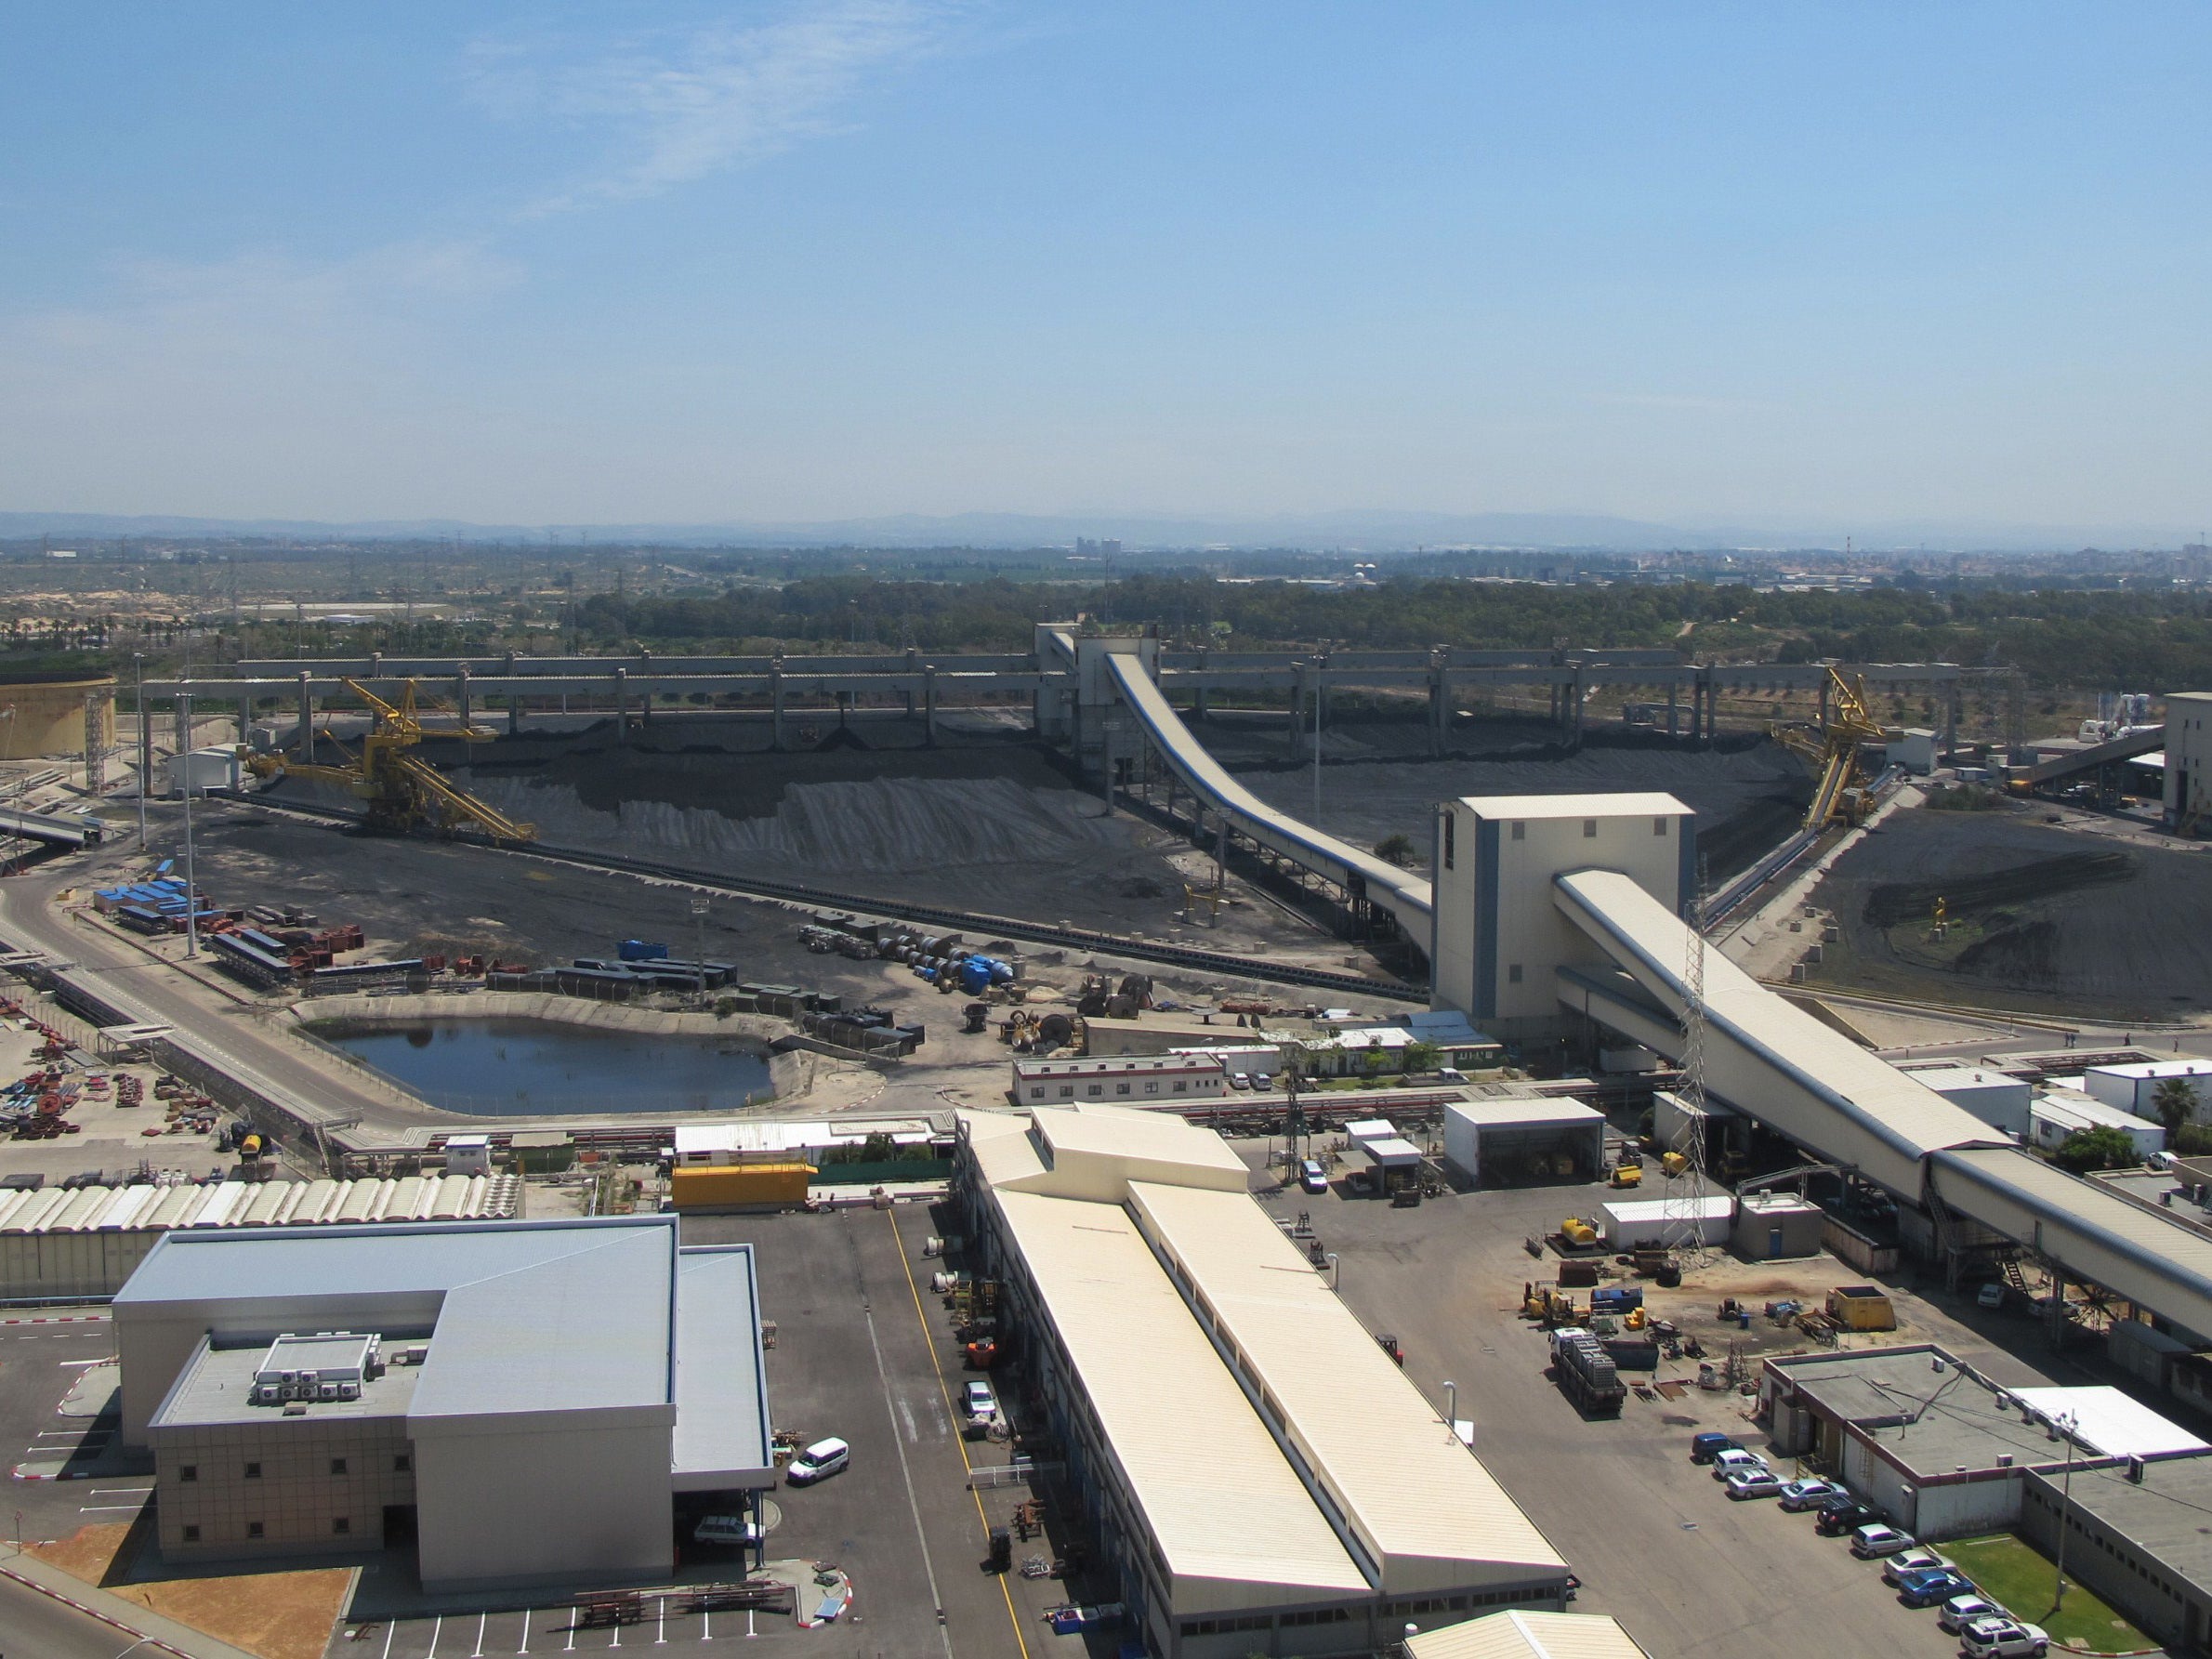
x,y
2188,745
2136,1534
531,1403
1132,1080
2057,1112
1135,1267
45,714
1499,936
1509,1138
1998,1099
2134,1086
1939,1448
1517,1635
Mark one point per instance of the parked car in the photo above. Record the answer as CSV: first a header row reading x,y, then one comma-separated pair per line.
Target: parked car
x,y
818,1462
1705,1447
979,1399
1912,1561
1810,1494
727,1529
1938,1583
1757,1483
1240,1080
1263,1080
1991,1295
1734,1460
1961,1611
1312,1176
1876,1539
2003,1639
1845,1516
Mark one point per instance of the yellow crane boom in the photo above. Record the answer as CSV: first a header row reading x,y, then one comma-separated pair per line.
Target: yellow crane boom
x,y
1832,750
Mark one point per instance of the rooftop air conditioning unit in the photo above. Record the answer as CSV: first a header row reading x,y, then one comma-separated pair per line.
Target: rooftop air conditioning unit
x,y
349,1390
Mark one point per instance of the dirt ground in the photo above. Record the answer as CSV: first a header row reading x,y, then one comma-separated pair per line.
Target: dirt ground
x,y
279,1616
2041,917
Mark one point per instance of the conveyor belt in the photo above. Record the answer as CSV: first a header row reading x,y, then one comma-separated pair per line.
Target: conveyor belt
x,y
1405,895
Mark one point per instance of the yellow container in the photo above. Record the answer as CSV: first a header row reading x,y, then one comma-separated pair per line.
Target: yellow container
x,y
1861,1308
738,1186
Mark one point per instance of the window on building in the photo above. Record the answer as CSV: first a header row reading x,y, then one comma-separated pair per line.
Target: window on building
x,y
191,1535
1182,1089
1513,974
1037,1093
1521,832
341,1524
1589,829
1152,1088
1096,1088
402,1464
1067,1091
1121,1088
253,1471
338,1466
188,1472
1659,826
253,1529
1449,824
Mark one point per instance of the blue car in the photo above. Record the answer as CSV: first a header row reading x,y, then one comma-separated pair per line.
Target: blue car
x,y
1937,1584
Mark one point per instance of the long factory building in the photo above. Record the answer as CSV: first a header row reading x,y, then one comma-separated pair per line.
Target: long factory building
x,y
1260,1513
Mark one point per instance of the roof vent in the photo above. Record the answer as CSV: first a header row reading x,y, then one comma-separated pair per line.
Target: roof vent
x,y
2004,1460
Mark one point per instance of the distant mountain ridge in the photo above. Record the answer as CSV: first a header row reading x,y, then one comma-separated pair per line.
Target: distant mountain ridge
x,y
1349,530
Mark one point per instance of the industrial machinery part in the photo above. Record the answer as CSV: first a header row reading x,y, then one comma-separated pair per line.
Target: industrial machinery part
x,y
1832,750
402,792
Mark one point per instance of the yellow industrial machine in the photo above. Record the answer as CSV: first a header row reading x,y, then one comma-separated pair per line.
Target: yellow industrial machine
x,y
1626,1175
402,792
1832,750
1578,1232
1673,1163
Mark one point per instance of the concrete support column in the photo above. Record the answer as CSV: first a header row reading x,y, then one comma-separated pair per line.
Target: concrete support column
x,y
929,707
514,702
1574,691
1297,705
622,707
1951,718
1106,756
913,665
462,700
376,664
1171,795
1203,707
1440,700
145,751
307,720
1673,692
775,704
245,719
1220,849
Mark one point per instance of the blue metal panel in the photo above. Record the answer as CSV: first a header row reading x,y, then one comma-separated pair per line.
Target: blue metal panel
x,y
1486,888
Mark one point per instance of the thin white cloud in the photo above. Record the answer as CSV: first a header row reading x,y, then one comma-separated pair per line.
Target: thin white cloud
x,y
713,99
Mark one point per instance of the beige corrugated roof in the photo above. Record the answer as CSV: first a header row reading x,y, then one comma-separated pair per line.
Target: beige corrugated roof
x,y
1214,1487
1002,1148
1519,1635
1411,1492
1652,804
1122,1132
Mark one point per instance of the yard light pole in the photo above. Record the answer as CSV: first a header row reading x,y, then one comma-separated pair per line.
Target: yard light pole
x,y
145,746
2069,1423
192,884
698,916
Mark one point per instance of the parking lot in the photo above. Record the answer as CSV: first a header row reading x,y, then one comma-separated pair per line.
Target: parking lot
x,y
65,1471
1656,1541
858,1355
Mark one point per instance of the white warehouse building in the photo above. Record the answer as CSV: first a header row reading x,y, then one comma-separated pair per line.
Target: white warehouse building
x,y
531,1402
1301,1497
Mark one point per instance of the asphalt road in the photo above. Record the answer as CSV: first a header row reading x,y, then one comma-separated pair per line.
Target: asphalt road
x,y
36,1627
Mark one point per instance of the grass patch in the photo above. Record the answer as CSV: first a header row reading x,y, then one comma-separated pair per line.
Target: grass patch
x,y
2013,1572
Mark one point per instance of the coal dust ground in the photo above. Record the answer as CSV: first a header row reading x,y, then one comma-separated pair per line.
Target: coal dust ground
x,y
2036,918
1378,778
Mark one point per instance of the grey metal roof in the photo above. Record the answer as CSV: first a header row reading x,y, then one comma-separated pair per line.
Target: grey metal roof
x,y
721,1391
218,1388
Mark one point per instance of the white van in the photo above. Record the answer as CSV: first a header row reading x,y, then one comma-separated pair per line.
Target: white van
x,y
818,1462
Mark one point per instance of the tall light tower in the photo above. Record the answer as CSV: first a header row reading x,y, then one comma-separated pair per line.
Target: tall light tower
x,y
1685,1231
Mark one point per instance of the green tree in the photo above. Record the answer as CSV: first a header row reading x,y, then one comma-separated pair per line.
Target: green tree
x,y
1396,848
2175,1103
2097,1149
1423,1057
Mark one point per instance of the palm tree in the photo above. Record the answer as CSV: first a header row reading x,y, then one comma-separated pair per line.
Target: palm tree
x,y
2174,1102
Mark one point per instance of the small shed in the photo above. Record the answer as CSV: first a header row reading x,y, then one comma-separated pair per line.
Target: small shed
x,y
1504,1140
1998,1099
468,1154
1915,750
1659,1220
1775,1226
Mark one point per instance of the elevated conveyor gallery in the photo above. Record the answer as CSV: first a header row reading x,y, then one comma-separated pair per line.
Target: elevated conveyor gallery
x,y
1832,1097
1405,895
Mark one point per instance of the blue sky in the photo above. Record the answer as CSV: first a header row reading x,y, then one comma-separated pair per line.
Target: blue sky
x,y
1826,265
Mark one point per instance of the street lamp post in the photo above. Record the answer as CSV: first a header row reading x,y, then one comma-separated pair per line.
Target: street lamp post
x,y
2069,1422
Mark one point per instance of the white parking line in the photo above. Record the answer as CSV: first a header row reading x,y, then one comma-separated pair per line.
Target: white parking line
x,y
706,1625
574,1616
118,1491
480,1635
390,1630
97,1509
661,1639
438,1624
525,1647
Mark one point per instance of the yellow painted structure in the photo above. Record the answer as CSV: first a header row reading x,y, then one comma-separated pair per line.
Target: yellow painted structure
x,y
1861,1308
738,1186
47,716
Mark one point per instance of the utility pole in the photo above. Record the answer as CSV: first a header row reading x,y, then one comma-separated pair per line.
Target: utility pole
x,y
145,746
2069,1423
192,884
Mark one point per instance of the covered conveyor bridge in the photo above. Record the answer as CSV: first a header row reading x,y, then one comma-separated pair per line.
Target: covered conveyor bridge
x,y
1405,895
1777,1063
